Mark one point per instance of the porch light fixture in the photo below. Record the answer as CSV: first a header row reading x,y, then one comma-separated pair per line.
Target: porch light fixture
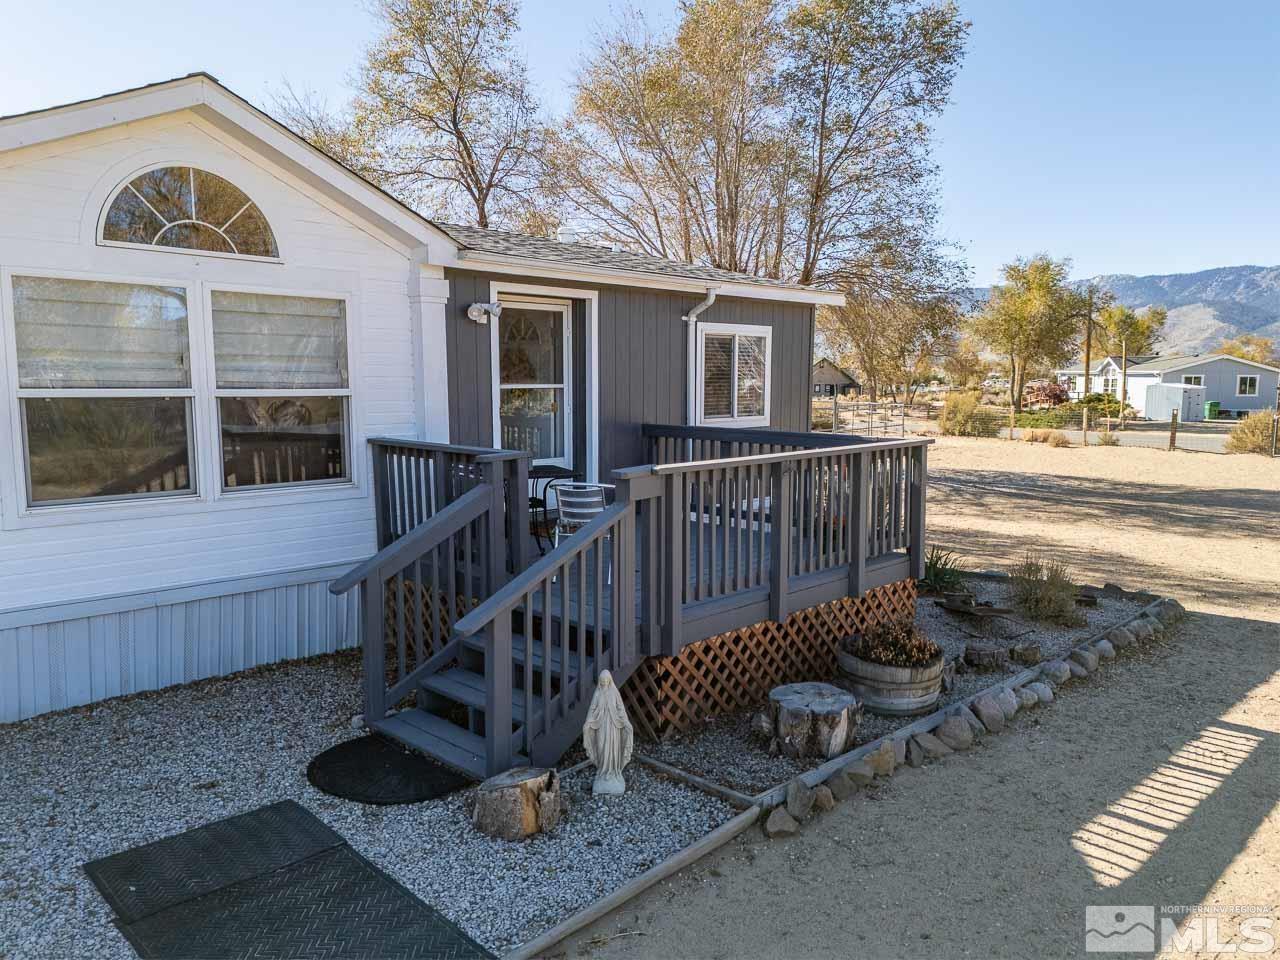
x,y
481,312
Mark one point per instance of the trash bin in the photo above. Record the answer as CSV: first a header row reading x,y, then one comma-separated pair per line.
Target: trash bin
x,y
1211,409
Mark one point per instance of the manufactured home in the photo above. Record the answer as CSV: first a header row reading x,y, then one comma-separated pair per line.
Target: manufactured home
x,y
253,409
1238,387
832,380
1103,378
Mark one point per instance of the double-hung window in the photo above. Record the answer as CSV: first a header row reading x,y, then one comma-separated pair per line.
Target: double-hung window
x,y
1246,386
282,389
733,374
104,389
1193,380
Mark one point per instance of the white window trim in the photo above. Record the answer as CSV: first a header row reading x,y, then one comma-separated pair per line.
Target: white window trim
x,y
591,389
206,442
1193,379
189,251
567,373
1257,384
732,329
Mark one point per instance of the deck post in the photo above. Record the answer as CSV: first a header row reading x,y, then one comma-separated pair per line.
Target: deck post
x,y
495,546
919,487
783,473
517,477
858,526
381,495
372,604
497,682
676,521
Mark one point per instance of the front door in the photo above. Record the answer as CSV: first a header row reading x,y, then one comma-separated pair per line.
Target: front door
x,y
533,395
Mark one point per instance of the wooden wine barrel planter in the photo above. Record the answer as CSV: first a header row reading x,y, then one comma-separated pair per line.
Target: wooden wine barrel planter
x,y
891,691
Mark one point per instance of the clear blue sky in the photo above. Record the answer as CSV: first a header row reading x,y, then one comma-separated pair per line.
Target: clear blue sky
x,y
1135,136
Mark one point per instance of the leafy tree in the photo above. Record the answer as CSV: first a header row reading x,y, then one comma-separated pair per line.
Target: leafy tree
x,y
1032,320
1249,346
894,344
445,116
1117,328
962,364
788,138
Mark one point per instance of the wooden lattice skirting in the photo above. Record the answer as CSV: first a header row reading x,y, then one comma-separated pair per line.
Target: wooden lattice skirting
x,y
737,669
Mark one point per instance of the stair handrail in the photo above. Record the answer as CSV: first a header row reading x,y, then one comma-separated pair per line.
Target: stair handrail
x,y
419,540
510,596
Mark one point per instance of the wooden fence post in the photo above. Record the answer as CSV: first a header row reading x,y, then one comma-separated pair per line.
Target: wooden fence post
x,y
1173,430
1275,433
780,546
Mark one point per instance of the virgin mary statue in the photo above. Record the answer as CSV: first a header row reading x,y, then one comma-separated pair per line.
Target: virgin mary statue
x,y
608,737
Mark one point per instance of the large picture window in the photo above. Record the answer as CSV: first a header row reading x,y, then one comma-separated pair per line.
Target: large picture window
x,y
1246,386
104,389
282,388
733,369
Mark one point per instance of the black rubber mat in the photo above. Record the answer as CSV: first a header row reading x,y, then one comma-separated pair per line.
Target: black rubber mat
x,y
303,894
376,770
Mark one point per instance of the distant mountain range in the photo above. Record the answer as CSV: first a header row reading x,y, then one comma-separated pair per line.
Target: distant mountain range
x,y
1205,307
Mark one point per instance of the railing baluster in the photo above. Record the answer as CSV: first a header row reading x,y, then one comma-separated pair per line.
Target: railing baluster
x,y
780,562
722,515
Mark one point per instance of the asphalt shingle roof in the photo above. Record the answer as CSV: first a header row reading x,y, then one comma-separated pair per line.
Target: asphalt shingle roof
x,y
539,248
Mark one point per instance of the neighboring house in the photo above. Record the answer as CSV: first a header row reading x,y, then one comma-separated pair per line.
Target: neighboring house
x,y
1105,377
830,380
1238,386
204,325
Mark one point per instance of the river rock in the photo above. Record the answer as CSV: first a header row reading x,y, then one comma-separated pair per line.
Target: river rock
x,y
1157,628
1086,658
933,748
882,760
1141,629
823,799
955,732
1104,649
859,773
1120,638
1078,672
965,714
1056,672
988,711
799,799
915,754
1026,698
1008,703
899,751
780,824
1043,692
841,786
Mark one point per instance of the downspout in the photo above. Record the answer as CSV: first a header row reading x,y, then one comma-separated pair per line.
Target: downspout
x,y
691,333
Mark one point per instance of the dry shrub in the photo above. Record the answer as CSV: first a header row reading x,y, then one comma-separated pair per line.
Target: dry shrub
x,y
1042,589
961,416
1033,436
1252,434
1057,438
894,643
1108,439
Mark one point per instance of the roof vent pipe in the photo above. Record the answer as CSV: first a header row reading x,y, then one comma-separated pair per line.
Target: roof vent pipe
x,y
691,331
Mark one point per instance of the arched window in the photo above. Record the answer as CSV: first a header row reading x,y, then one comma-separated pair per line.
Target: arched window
x,y
188,209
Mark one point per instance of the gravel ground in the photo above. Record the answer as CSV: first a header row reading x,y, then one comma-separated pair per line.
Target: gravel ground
x,y
87,783
724,750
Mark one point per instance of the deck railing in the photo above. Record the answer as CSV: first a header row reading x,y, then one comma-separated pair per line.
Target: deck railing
x,y
772,522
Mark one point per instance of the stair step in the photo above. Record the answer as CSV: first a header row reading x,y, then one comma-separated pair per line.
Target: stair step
x,y
518,654
467,687
438,738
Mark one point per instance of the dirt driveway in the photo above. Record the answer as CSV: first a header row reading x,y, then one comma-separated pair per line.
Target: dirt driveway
x,y
996,852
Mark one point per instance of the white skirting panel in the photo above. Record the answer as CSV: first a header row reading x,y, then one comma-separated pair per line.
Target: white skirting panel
x,y
117,646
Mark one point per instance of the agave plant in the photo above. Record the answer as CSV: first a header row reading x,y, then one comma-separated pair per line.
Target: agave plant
x,y
943,571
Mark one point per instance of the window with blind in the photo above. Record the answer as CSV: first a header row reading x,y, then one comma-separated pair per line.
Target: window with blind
x,y
282,388
733,369
104,389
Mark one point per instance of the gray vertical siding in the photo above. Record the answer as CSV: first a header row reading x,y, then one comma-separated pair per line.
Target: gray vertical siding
x,y
55,658
1220,375
643,361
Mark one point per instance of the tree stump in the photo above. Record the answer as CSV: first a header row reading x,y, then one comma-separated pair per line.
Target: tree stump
x,y
517,804
811,719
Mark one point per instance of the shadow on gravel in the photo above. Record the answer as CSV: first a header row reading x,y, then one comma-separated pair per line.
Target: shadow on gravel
x,y
1177,509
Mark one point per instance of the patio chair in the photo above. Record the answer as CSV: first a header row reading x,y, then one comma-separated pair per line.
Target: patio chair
x,y
577,504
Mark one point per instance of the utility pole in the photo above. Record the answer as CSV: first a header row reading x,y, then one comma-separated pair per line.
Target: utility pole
x,y
1124,377
1088,363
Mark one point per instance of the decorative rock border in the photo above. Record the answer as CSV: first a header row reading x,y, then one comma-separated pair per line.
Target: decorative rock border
x,y
982,713
933,737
